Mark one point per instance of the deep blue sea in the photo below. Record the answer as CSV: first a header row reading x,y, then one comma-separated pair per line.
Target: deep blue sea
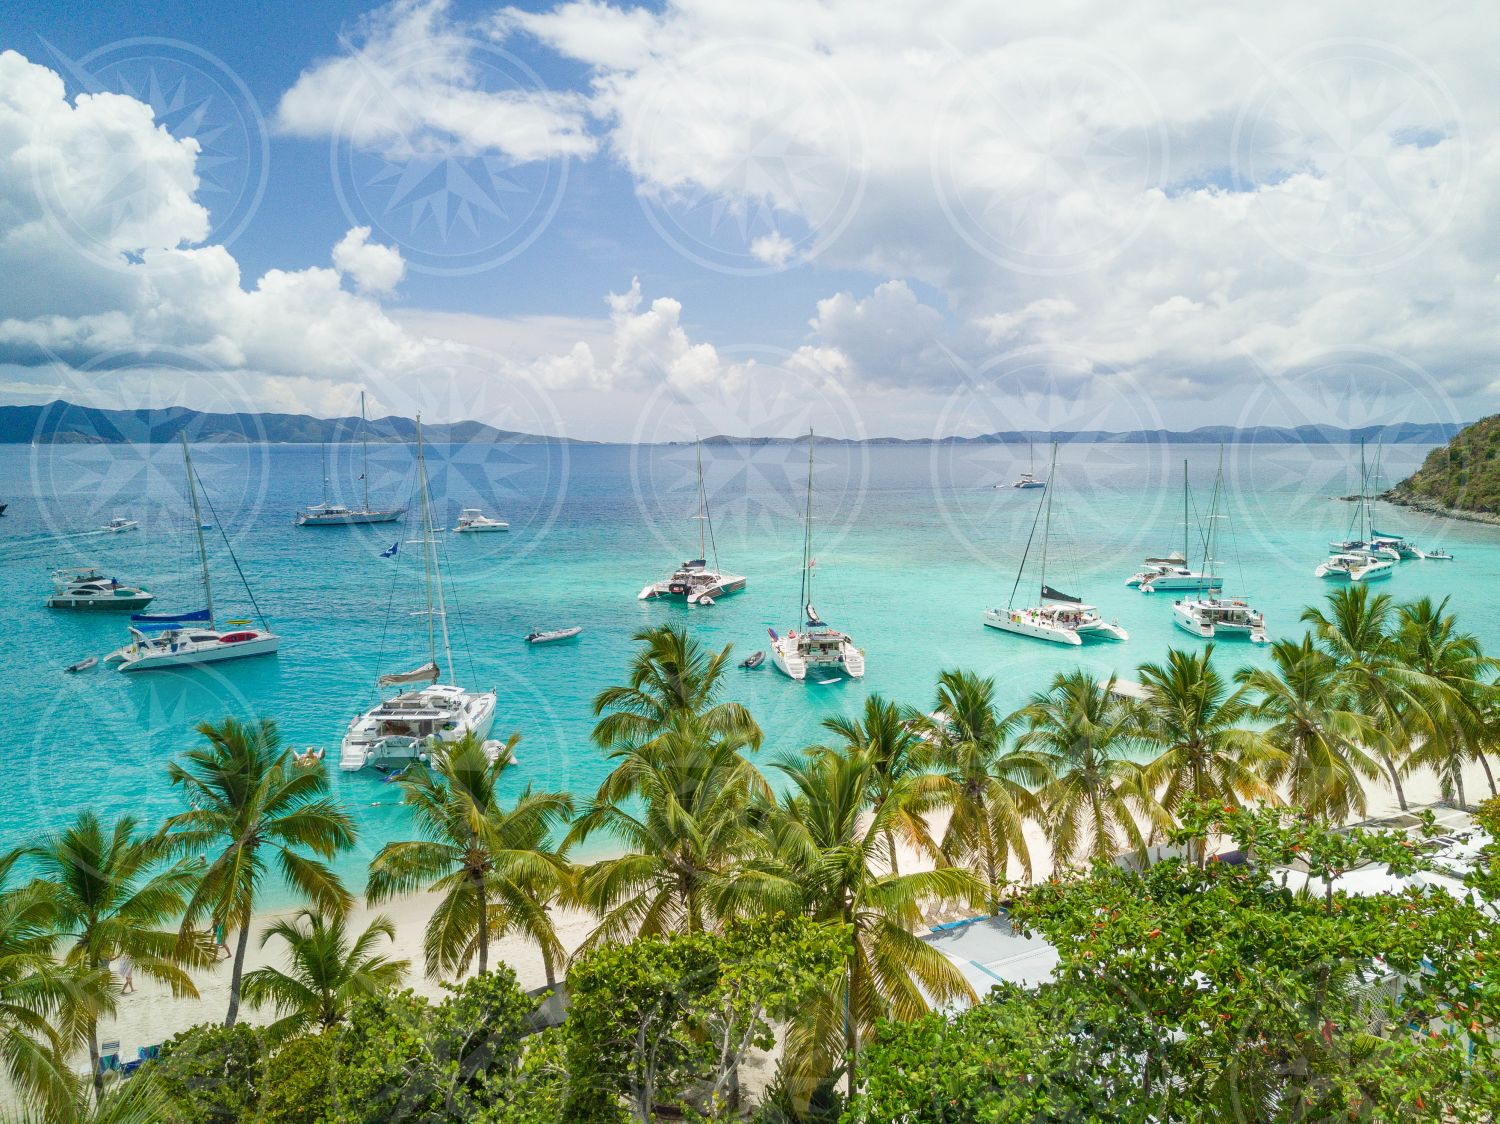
x,y
912,544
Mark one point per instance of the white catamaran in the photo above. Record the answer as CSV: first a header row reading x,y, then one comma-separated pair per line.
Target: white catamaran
x,y
424,714
1172,572
1028,478
1357,559
329,514
695,580
816,646
187,639
1209,615
1058,617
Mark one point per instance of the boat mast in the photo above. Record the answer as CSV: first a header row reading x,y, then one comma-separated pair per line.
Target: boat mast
x,y
807,534
1047,525
192,483
1213,514
702,503
364,456
1364,496
323,453
1185,554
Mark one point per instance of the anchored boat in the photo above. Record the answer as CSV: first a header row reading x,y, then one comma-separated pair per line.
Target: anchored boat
x,y
85,587
1172,572
1209,616
329,514
695,581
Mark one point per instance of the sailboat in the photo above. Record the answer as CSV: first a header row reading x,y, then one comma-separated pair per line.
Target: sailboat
x,y
695,580
1209,616
187,639
1058,617
1356,559
1028,478
1171,571
1387,543
424,714
329,514
816,646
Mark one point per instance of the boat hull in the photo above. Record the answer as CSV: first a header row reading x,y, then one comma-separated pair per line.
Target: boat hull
x,y
713,586
360,751
105,604
481,530
795,662
349,519
1023,623
191,655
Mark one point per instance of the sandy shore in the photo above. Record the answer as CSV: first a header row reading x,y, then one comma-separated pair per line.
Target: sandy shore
x,y
151,1015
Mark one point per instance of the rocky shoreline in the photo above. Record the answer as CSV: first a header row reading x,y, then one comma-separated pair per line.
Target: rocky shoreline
x,y
1402,498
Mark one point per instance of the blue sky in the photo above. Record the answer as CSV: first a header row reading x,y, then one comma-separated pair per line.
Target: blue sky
x,y
871,217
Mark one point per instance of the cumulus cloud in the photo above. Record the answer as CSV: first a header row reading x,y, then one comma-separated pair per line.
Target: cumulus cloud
x,y
372,267
411,79
98,212
1083,177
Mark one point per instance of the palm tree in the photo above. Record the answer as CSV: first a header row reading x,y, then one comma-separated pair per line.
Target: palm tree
x,y
1096,799
248,799
1453,687
897,751
827,834
1197,724
1355,632
111,903
33,986
1322,758
986,782
326,973
496,866
678,808
671,676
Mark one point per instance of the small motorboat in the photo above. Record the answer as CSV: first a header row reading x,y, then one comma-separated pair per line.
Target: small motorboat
x,y
552,636
309,758
118,524
82,665
752,661
1439,555
705,599
471,521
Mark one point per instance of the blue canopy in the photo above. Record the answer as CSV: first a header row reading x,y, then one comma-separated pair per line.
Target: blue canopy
x,y
1382,534
170,618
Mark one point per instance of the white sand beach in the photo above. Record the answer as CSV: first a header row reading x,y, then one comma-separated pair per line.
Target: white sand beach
x,y
151,1015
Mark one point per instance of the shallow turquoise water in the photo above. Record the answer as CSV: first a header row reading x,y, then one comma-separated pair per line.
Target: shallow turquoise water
x,y
912,542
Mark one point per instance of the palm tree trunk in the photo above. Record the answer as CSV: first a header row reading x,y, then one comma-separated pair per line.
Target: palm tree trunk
x,y
94,1061
242,943
1489,776
1458,780
851,1036
477,877
890,846
1390,767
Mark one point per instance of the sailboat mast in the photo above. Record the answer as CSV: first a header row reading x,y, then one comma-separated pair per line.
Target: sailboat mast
x,y
192,483
426,525
807,533
1047,525
364,455
702,504
1185,539
1213,516
323,452
1364,495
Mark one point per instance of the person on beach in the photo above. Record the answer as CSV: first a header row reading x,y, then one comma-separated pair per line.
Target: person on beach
x,y
221,940
127,974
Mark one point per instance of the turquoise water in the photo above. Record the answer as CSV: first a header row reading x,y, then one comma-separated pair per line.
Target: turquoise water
x,y
912,542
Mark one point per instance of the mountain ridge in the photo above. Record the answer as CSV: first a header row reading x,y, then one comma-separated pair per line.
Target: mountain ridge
x,y
65,423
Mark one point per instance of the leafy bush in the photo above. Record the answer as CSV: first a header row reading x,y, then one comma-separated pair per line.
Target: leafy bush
x,y
211,1074
299,1080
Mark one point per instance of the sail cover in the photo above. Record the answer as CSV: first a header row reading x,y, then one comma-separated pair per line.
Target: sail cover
x,y
1173,559
170,618
1381,534
428,673
1050,594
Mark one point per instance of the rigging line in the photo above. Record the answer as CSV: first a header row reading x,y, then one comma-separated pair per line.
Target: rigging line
x,y
1021,570
390,601
458,609
708,519
223,534
807,533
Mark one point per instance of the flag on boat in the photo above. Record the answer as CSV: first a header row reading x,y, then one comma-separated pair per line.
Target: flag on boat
x,y
390,552
1050,594
772,631
428,673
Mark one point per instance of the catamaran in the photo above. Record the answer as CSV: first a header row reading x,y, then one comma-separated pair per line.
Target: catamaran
x,y
816,645
188,639
330,514
1357,559
1058,617
695,580
1028,478
1209,616
1171,571
85,587
424,714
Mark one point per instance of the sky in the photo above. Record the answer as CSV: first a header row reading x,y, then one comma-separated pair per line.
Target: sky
x,y
867,217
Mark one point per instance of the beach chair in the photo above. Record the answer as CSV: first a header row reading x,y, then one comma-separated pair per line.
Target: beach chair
x,y
149,1053
109,1057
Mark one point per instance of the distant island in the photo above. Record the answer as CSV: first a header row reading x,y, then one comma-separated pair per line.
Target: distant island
x,y
63,423
1461,479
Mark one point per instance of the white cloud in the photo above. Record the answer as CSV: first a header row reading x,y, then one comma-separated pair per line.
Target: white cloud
x,y
413,79
1181,201
372,267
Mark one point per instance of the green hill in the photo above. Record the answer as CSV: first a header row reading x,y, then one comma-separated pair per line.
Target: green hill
x,y
1461,478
